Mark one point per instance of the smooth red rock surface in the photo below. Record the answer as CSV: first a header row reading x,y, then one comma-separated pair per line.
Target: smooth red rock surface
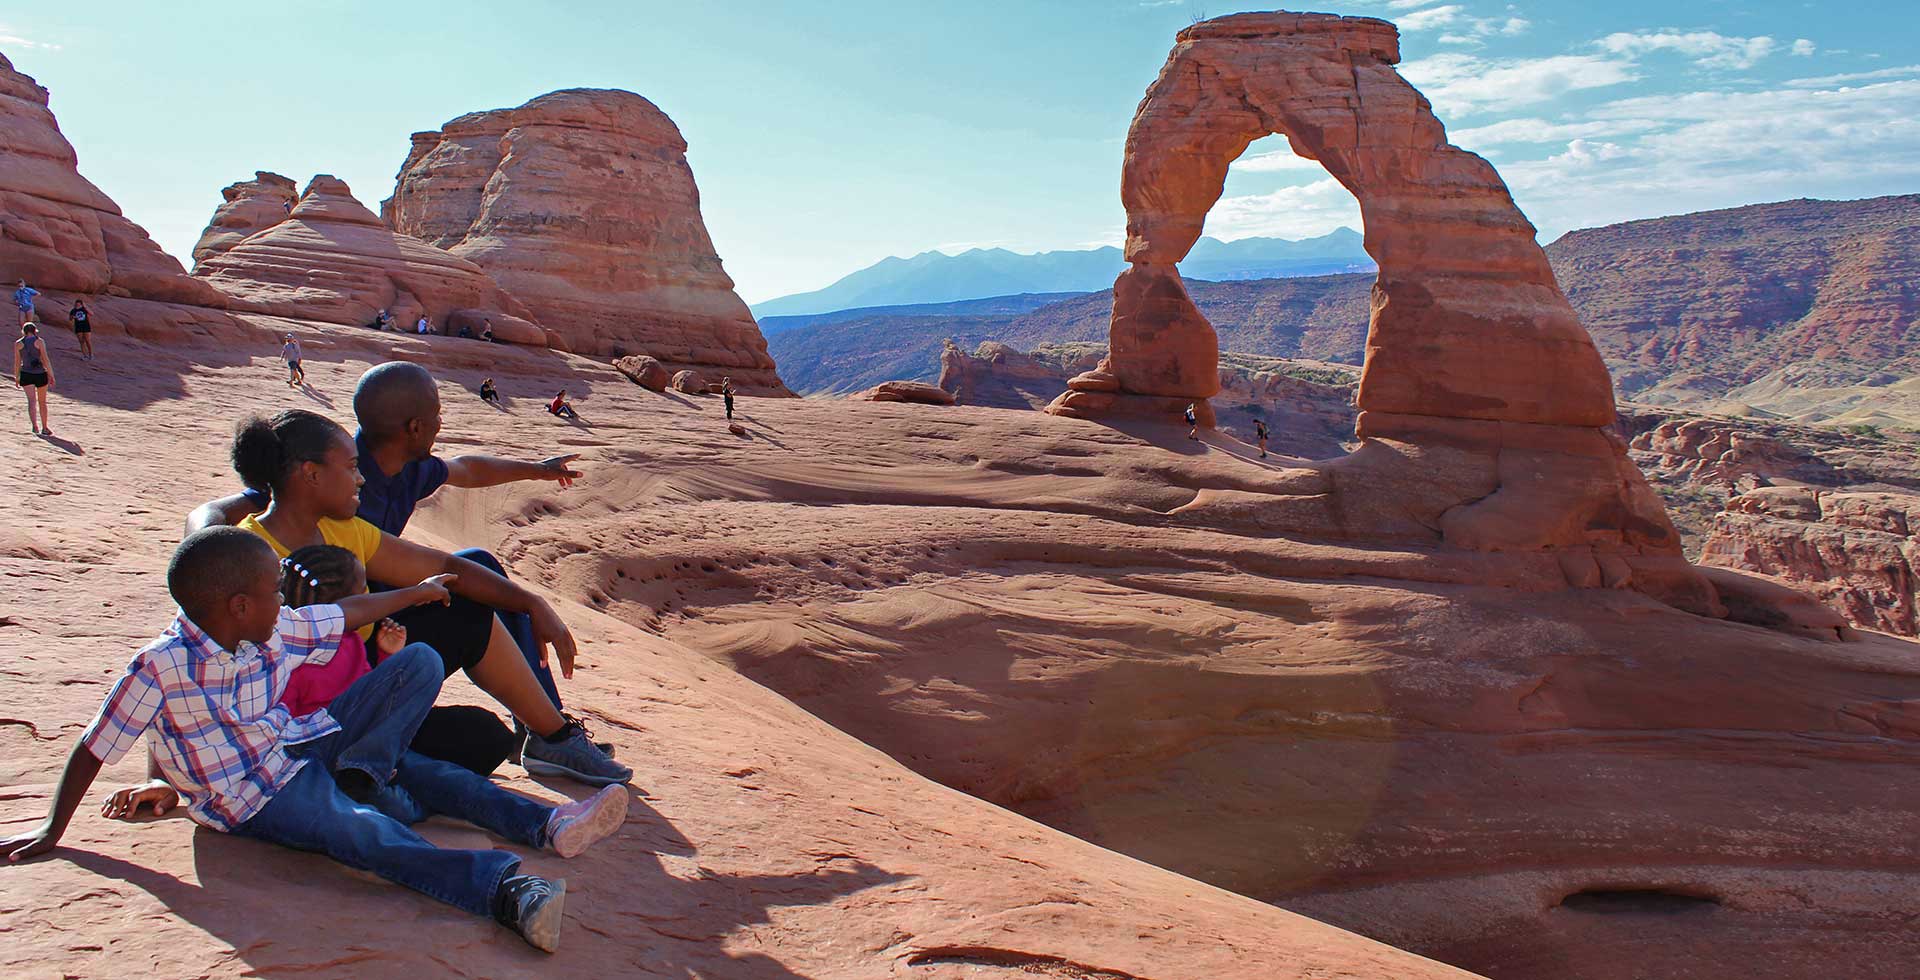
x,y
57,230
333,260
247,207
764,843
582,205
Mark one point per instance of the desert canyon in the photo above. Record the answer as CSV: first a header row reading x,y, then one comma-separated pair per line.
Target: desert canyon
x,y
1452,684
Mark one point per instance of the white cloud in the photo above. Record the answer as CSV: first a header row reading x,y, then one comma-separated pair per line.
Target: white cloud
x,y
1432,17
1465,29
12,38
1825,81
1707,48
1302,211
1529,130
1465,83
1720,149
1276,161
1802,47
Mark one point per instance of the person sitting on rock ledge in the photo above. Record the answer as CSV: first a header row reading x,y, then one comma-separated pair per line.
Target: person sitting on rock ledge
x,y
486,331
207,693
423,326
383,321
561,407
398,407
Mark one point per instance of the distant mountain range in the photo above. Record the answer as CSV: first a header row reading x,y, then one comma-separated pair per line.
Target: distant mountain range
x,y
1807,309
935,277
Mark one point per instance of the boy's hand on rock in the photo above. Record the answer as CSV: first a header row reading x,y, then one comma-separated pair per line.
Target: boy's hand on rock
x,y
435,589
125,803
29,845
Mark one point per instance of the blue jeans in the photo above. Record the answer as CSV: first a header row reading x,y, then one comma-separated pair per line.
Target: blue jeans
x,y
519,625
377,716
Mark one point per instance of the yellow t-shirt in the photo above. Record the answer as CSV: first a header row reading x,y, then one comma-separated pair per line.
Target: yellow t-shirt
x,y
353,534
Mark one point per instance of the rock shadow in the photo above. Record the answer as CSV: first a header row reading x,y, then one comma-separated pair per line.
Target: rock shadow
x,y
626,910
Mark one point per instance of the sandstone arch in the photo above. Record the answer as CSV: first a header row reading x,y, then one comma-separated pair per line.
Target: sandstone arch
x,y
1483,400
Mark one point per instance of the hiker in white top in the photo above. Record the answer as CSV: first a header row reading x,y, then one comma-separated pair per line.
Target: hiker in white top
x,y
35,370
296,375
422,326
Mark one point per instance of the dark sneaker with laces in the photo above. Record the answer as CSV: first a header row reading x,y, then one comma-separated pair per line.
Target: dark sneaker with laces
x,y
520,738
571,753
532,906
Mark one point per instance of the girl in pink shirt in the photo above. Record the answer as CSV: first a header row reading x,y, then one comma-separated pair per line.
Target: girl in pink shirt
x,y
464,735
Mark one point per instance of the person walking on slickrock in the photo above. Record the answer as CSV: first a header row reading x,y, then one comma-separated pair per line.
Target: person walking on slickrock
x,y
34,369
290,352
1193,423
23,301
726,395
82,328
1260,433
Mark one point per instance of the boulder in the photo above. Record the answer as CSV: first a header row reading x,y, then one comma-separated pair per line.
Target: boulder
x,y
689,381
332,260
247,208
1856,551
644,371
581,204
60,232
918,392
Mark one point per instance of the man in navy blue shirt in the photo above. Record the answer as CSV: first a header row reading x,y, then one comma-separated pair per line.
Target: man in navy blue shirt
x,y
398,408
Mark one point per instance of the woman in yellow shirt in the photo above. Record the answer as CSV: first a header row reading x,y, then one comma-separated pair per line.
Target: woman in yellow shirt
x,y
312,468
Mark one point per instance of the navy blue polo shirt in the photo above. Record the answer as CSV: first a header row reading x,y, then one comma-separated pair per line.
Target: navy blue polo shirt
x,y
387,502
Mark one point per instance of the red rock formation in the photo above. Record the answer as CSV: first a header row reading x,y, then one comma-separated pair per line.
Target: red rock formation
x,y
917,392
1855,551
1482,399
332,260
57,230
248,206
581,204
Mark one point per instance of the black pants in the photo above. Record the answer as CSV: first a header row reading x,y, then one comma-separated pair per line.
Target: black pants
x,y
469,737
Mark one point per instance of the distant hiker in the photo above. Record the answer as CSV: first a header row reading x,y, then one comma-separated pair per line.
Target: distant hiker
x,y
561,407
296,375
35,370
1260,433
1193,423
466,331
726,395
423,325
487,392
82,328
486,331
383,321
23,301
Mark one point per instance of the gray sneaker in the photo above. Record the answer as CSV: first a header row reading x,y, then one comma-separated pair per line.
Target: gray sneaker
x,y
572,754
532,907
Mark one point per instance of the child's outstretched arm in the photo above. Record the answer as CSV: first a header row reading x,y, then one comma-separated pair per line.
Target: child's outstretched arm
x,y
75,780
359,610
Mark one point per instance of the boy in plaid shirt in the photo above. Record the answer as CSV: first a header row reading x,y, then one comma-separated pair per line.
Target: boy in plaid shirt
x,y
206,693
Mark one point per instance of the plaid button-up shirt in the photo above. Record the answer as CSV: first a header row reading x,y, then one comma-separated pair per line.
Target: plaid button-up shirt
x,y
218,729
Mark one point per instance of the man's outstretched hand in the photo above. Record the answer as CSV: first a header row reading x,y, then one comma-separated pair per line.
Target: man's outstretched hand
x,y
560,469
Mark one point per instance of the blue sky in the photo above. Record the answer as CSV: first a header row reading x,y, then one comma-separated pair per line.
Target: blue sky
x,y
826,137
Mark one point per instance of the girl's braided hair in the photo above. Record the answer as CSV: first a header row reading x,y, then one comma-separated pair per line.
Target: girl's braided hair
x,y
317,574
